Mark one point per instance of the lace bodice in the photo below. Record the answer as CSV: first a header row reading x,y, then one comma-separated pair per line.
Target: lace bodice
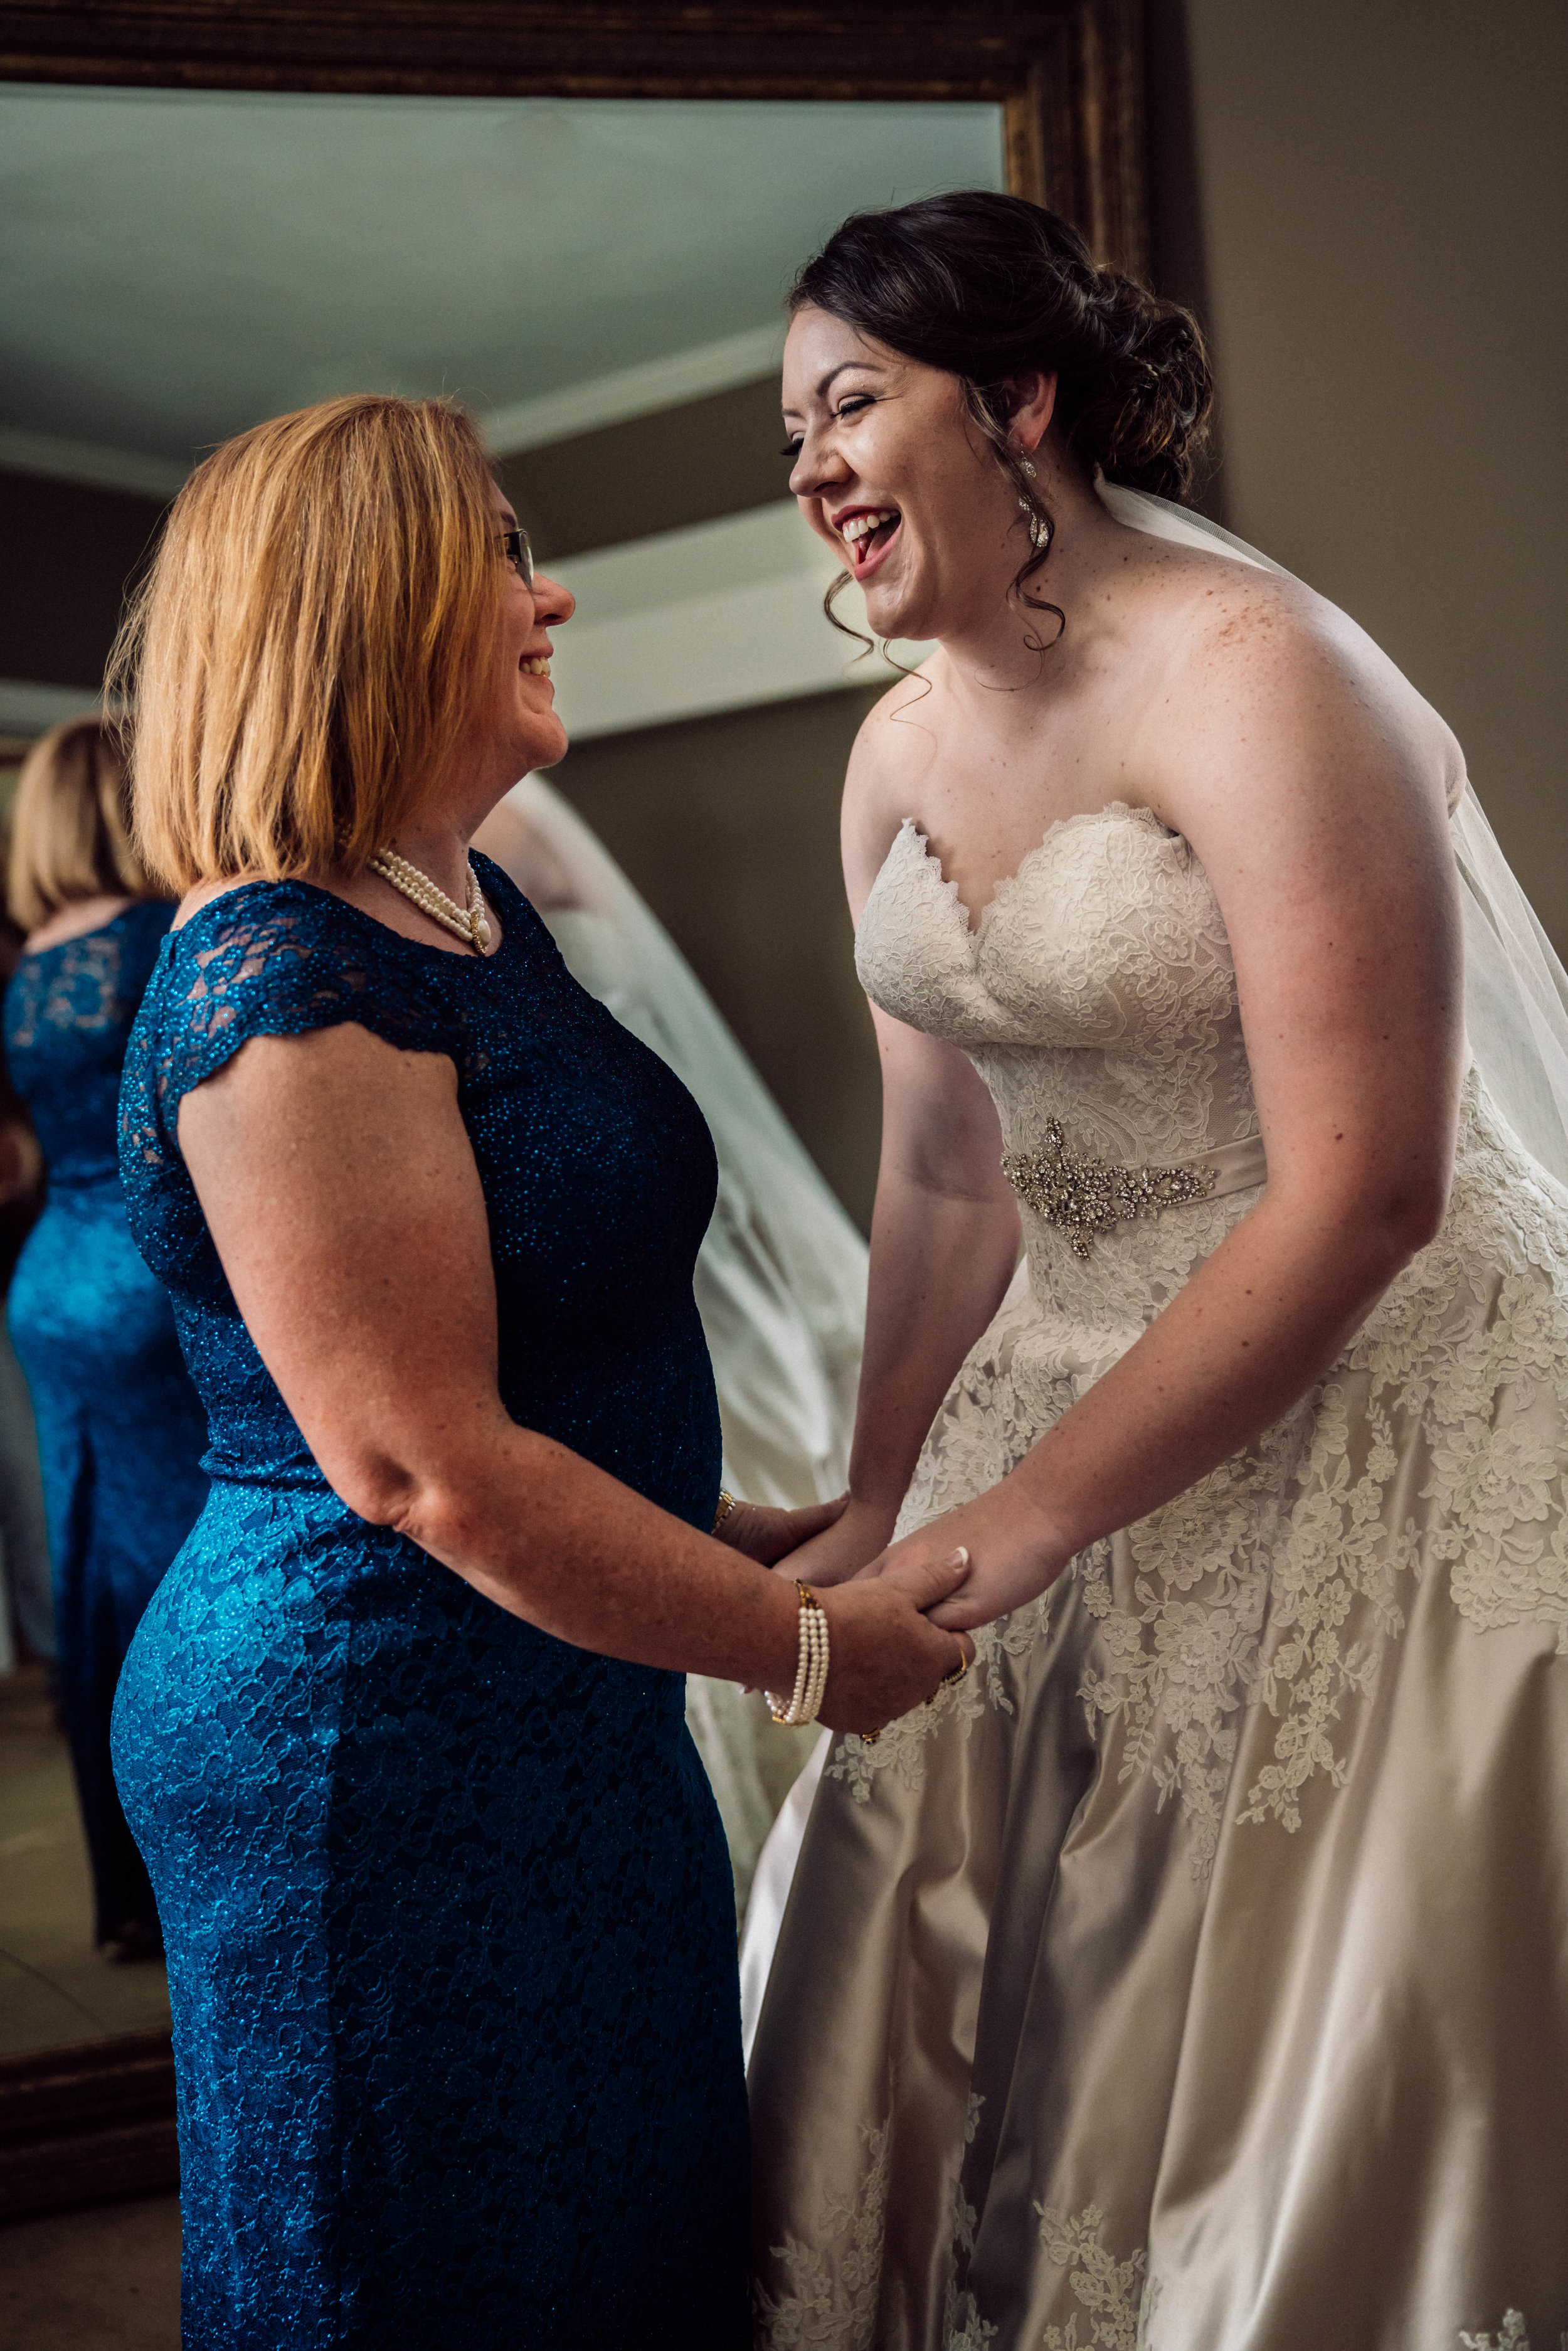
x,y
68,1012
1097,988
1097,991
575,1128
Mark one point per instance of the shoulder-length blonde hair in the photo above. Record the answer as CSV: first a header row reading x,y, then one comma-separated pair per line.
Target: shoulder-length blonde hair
x,y
318,630
70,826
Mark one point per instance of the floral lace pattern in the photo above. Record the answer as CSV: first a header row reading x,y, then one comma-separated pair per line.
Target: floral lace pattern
x,y
833,2281
1511,2336
1119,2297
1275,1580
448,1910
1185,1776
68,1012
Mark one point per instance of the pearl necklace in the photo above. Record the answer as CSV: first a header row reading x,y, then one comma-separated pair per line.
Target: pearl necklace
x,y
422,892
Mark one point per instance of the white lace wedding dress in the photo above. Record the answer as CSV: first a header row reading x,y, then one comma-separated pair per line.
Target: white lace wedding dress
x,y
1195,1973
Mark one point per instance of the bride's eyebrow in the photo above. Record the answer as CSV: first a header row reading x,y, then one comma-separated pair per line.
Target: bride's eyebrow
x,y
874,365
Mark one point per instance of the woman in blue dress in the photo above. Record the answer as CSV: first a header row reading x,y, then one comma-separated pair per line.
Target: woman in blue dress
x,y
120,1428
451,1940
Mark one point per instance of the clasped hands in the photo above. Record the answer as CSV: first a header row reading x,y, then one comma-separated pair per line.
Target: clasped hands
x,y
1015,1550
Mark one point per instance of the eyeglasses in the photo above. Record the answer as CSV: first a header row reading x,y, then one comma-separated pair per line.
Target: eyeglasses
x,y
514,545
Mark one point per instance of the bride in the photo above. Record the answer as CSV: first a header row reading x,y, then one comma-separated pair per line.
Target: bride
x,y
1192,1974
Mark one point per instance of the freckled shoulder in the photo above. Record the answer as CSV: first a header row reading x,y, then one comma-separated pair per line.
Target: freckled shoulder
x,y
1261,674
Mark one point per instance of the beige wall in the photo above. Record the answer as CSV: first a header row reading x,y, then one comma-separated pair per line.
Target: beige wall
x,y
729,827
1382,198
1367,200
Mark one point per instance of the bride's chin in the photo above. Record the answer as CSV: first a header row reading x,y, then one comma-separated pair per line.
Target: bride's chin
x,y
892,619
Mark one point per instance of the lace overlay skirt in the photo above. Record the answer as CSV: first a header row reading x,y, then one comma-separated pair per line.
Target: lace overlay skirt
x,y
1195,1975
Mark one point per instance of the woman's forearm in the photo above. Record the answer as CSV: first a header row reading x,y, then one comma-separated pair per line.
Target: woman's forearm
x,y
551,1537
1237,1347
555,1540
940,1265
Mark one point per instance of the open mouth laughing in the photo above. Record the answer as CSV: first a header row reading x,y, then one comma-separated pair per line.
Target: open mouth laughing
x,y
867,533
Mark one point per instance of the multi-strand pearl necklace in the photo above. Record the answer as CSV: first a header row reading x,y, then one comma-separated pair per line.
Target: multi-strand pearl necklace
x,y
422,892
811,1673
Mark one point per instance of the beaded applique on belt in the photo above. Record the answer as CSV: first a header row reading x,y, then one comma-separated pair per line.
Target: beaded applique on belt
x,y
1086,1197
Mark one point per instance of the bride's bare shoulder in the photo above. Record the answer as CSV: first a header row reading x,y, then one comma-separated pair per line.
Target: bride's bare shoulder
x,y
1246,648
896,741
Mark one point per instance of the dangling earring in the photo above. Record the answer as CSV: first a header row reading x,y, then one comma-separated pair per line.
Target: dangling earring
x,y
1039,524
1025,467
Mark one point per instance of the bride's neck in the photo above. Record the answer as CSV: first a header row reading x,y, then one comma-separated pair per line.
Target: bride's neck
x,y
1002,649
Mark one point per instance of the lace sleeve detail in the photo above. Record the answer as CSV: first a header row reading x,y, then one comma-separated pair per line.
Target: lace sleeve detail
x,y
275,959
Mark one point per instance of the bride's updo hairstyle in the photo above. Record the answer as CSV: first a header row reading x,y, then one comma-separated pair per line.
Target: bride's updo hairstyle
x,y
318,630
991,289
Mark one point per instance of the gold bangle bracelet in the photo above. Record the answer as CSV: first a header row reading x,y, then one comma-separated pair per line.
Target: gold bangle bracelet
x,y
725,1505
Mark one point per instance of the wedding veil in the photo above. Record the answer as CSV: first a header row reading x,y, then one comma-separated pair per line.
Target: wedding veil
x,y
1516,990
780,1282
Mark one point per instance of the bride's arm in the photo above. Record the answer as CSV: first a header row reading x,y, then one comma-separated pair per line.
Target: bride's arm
x,y
945,1229
1310,781
944,1243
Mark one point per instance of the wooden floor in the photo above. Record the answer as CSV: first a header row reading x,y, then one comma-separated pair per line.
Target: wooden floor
x,y
105,2278
55,1988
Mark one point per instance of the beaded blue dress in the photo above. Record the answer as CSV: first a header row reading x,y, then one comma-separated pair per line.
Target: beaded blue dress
x,y
447,1903
120,1428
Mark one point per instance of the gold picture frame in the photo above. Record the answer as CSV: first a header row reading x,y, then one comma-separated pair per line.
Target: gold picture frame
x,y
1068,74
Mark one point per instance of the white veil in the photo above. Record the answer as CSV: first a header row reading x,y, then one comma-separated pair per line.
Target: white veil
x,y
1516,990
781,1282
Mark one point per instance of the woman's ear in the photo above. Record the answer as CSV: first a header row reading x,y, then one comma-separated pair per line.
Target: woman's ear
x,y
1034,405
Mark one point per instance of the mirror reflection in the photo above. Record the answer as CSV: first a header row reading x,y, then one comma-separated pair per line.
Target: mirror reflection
x,y
600,284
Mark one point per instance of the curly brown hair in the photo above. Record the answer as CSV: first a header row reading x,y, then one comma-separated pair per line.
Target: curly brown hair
x,y
992,289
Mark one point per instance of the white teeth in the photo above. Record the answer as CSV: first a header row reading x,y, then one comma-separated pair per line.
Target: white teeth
x,y
860,525
536,665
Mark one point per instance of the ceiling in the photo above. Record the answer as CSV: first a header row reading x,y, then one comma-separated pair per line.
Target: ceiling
x,y
174,266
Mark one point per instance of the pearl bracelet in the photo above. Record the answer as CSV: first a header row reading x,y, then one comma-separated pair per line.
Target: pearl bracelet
x,y
811,1673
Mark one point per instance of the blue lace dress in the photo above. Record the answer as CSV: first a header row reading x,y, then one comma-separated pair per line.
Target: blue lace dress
x,y
120,1428
448,1912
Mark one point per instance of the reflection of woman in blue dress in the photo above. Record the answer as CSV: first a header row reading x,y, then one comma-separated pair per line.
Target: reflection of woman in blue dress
x,y
120,1428
449,1929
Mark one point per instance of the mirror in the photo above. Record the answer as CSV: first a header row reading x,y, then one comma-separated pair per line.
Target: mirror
x,y
210,222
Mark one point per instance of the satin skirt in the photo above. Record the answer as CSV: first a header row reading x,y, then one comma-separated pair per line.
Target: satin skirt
x,y
1195,1975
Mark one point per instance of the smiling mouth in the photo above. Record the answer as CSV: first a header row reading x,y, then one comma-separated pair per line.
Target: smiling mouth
x,y
868,535
534,666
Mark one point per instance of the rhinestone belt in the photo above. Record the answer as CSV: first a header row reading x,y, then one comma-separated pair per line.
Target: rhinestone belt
x,y
1083,1197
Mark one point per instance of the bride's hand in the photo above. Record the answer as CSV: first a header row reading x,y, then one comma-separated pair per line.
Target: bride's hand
x,y
761,1532
844,1547
1014,1554
885,1654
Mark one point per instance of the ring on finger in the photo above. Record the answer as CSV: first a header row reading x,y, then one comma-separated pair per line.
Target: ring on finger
x,y
951,1680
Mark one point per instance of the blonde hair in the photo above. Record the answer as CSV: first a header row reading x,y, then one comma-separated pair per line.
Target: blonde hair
x,y
320,628
70,828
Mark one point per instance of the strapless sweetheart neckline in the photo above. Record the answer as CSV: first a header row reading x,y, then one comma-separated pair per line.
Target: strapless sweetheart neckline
x,y
976,927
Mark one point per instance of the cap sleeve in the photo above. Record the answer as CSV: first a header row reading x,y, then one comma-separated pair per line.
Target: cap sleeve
x,y
274,959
